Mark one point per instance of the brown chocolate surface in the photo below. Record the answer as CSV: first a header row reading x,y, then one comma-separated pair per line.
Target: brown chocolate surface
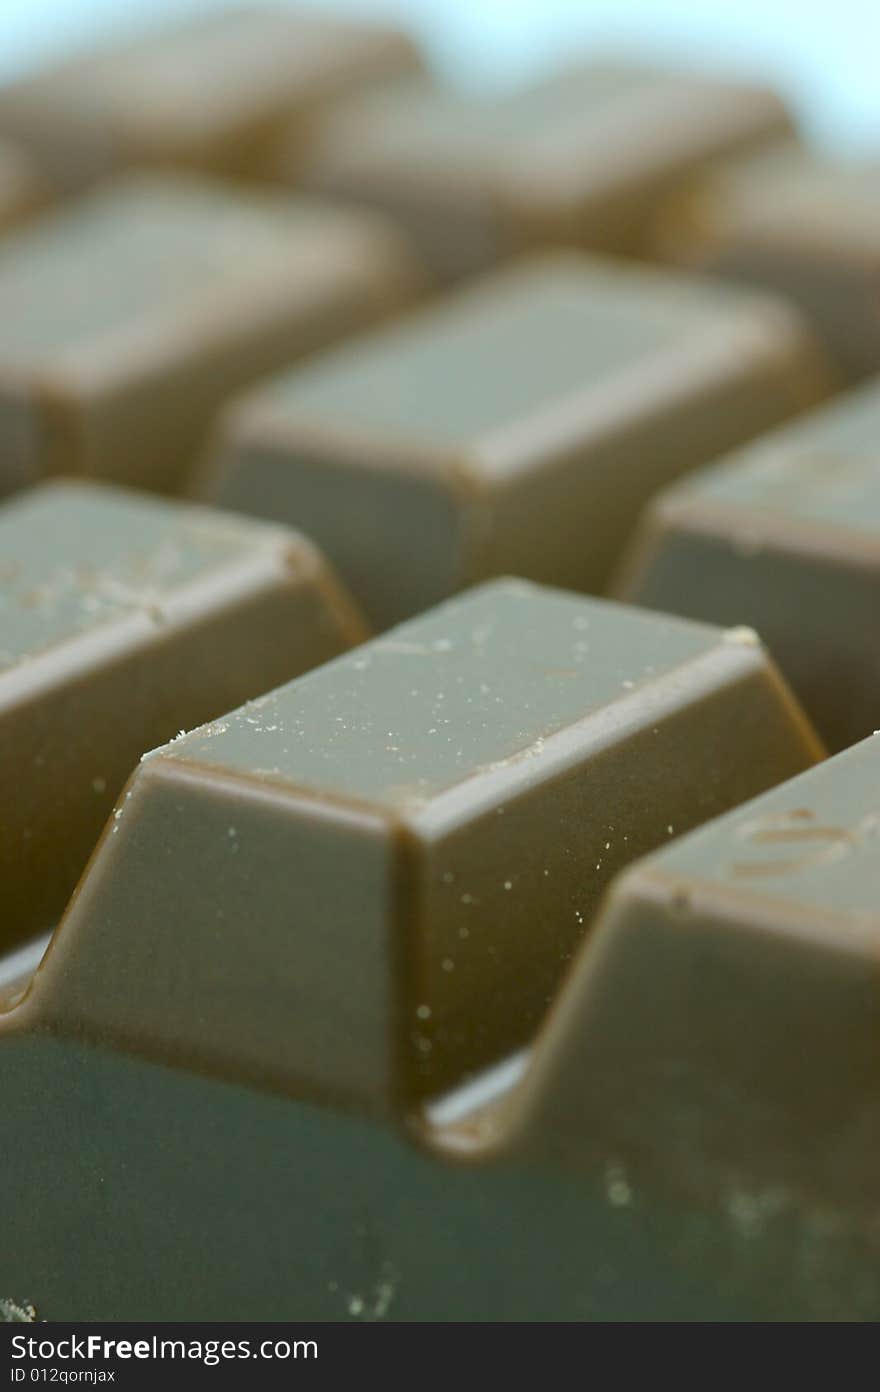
x,y
122,621
22,189
130,316
722,1022
797,224
783,535
373,878
429,983
211,91
579,158
516,426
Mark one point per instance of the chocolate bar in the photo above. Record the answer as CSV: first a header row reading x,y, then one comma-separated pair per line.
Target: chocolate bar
x,y
579,158
783,535
517,963
516,426
796,224
129,318
213,91
124,619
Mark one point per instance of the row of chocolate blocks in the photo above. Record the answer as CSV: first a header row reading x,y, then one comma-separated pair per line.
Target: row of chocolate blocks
x,y
417,836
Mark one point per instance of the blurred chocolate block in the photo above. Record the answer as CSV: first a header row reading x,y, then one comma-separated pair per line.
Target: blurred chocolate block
x,y
785,536
516,426
124,620
372,880
579,158
128,318
22,190
747,954
793,223
211,91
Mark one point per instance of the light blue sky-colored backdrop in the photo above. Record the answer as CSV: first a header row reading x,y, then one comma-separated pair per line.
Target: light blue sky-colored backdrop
x,y
824,53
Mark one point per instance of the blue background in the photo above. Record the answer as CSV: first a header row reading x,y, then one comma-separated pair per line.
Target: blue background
x,y
824,54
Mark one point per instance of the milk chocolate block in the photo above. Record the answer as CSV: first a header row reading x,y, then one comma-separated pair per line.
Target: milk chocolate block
x,y
793,223
124,619
724,1017
516,426
785,536
127,320
373,878
212,91
577,159
21,187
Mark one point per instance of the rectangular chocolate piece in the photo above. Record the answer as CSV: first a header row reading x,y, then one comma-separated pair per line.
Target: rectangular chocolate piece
x,y
22,189
516,426
123,620
785,536
577,159
721,1026
130,317
212,91
373,879
793,223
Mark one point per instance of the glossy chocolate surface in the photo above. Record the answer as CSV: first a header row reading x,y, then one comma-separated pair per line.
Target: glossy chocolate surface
x,y
374,877
516,426
519,963
123,620
22,189
130,317
785,536
578,158
794,223
212,91
747,953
